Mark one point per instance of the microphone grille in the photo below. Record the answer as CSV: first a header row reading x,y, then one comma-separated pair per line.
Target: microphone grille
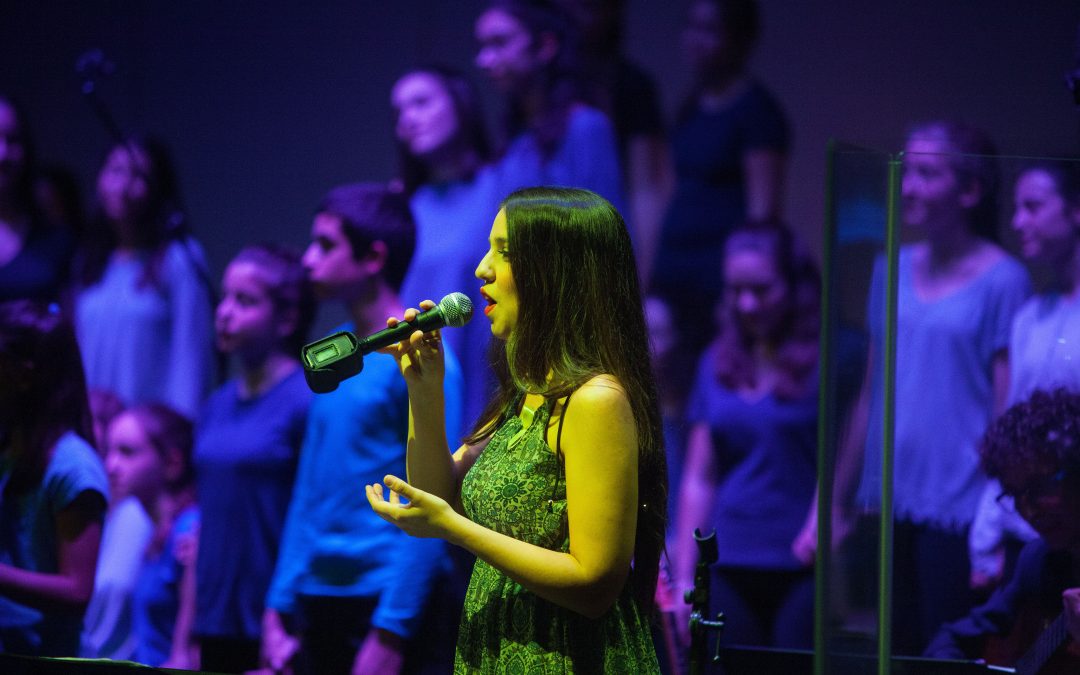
x,y
456,309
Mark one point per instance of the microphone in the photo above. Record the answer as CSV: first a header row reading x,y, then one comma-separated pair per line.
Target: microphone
x,y
340,356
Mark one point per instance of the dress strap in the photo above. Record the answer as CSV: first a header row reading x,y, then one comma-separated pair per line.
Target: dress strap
x,y
562,418
558,447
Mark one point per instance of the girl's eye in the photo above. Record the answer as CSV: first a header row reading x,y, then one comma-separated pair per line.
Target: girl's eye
x,y
505,254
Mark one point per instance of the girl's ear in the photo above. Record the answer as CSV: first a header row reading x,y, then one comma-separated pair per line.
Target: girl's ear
x,y
374,259
286,322
175,465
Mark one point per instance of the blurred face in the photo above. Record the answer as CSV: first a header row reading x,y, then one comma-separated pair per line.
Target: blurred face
x,y
1047,226
930,191
506,53
1049,501
426,120
705,40
331,268
245,320
134,466
122,185
12,149
755,292
499,290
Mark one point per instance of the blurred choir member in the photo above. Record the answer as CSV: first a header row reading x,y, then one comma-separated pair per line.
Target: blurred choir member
x,y
247,442
143,303
54,489
349,591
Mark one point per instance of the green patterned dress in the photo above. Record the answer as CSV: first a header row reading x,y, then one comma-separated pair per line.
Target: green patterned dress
x,y
517,487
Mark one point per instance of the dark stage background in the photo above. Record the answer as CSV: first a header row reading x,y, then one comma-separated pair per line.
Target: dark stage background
x,y
268,104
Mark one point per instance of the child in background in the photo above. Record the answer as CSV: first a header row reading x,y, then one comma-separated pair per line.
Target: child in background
x,y
247,443
107,629
149,457
53,491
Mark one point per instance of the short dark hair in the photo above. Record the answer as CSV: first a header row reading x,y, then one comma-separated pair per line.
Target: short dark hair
x,y
371,212
1033,436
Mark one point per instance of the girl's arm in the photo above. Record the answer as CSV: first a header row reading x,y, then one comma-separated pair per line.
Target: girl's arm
x,y
600,448
78,529
185,653
697,491
429,464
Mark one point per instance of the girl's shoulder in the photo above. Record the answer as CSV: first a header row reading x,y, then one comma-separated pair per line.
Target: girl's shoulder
x,y
602,395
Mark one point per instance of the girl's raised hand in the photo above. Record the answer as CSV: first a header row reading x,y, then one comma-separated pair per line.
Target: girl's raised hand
x,y
421,356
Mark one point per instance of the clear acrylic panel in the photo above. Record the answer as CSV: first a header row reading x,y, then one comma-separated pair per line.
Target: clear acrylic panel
x,y
920,351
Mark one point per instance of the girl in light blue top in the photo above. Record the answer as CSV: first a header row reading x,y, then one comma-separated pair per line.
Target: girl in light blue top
x,y
957,293
143,307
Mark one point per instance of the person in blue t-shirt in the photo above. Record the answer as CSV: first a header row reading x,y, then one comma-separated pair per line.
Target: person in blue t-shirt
x,y
349,589
53,490
247,443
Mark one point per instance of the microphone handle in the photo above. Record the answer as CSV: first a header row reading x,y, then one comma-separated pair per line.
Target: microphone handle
x,y
427,321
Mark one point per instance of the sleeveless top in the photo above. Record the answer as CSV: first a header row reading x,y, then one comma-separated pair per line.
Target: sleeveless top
x,y
517,487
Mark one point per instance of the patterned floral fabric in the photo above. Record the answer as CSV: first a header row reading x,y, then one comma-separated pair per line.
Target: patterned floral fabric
x,y
517,488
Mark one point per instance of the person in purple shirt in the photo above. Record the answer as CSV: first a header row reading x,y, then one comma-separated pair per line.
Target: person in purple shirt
x,y
749,471
247,442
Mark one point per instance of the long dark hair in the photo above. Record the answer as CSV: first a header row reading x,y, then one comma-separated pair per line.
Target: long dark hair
x,y
560,78
974,161
471,129
795,338
581,316
46,392
741,22
161,224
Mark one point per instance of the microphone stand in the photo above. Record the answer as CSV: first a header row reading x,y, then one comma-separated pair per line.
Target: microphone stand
x,y
698,599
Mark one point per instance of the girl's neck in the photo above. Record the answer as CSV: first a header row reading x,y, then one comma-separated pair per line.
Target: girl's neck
x,y
1066,277
717,89
950,246
370,310
453,165
258,377
534,104
170,504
